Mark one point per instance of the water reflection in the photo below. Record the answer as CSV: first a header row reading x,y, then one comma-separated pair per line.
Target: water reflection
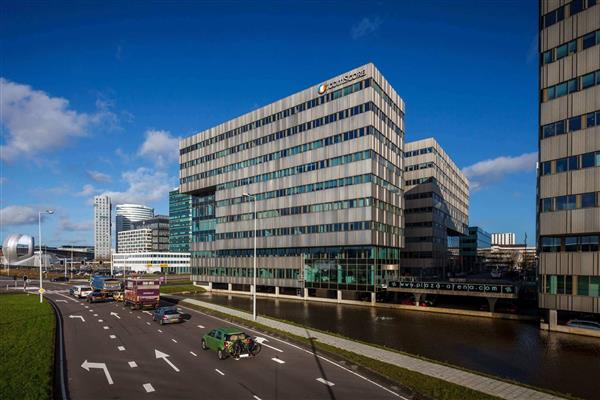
x,y
512,349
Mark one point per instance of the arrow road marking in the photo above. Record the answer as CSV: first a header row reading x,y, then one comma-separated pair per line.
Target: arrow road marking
x,y
77,316
323,381
132,364
262,341
148,387
277,360
160,354
115,314
222,374
87,365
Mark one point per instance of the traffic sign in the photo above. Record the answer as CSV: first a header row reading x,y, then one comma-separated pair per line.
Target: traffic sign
x,y
41,290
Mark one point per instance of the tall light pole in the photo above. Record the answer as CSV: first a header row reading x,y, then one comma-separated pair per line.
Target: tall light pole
x,y
40,245
253,197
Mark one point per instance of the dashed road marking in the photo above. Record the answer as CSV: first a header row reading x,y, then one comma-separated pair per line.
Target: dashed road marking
x,y
174,340
95,315
194,354
130,312
201,326
132,364
113,336
100,320
86,306
139,317
256,397
105,327
160,331
222,374
277,360
91,310
148,387
147,323
323,381
121,348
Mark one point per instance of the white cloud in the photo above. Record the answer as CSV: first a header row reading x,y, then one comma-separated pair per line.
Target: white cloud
x,y
99,176
67,225
365,27
489,171
88,190
19,215
38,123
160,147
144,186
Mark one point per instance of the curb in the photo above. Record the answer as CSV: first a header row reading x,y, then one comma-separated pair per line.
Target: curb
x,y
60,389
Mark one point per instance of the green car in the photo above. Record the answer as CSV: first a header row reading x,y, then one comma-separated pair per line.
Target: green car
x,y
230,342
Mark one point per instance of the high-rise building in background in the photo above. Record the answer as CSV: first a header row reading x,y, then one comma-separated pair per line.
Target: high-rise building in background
x,y
323,168
126,214
470,248
180,221
436,208
102,227
159,226
135,241
504,238
568,224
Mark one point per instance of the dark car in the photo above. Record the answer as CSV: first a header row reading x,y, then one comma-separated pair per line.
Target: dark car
x,y
96,297
60,279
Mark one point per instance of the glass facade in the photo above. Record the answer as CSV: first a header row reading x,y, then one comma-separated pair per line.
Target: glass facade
x,y
180,221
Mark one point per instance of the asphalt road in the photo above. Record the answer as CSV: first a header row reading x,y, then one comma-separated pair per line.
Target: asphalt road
x,y
115,353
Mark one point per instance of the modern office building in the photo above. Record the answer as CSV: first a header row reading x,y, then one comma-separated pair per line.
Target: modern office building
x,y
102,227
436,208
135,241
159,225
126,214
471,247
180,221
569,159
151,262
503,239
323,167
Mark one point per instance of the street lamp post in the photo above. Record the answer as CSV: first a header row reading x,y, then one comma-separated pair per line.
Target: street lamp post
x,y
40,245
253,197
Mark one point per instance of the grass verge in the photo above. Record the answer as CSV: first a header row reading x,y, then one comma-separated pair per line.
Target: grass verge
x,y
27,347
420,384
185,287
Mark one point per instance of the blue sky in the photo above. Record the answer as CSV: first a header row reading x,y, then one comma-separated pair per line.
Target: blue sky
x,y
94,96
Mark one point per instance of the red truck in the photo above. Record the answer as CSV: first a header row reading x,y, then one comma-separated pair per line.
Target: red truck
x,y
142,292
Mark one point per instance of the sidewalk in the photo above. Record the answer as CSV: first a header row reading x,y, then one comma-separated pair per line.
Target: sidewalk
x,y
480,383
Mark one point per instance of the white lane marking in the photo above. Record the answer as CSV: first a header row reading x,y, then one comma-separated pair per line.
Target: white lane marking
x,y
160,331
115,314
201,326
77,316
105,327
95,315
87,365
222,374
132,364
323,381
61,301
130,312
303,350
86,306
164,356
113,336
256,397
194,354
100,320
148,387
278,360
147,323
139,317
147,312
262,341
174,340
121,348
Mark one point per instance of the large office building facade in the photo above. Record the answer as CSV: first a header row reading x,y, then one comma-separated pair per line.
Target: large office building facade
x,y
127,214
102,227
436,208
569,158
159,227
323,167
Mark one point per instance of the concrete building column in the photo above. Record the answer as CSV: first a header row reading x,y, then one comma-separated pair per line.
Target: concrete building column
x,y
339,296
276,290
418,297
209,285
251,289
552,319
492,303
230,287
306,293
373,298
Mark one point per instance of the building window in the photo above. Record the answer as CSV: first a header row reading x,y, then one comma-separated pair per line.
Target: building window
x,y
546,168
550,244
588,200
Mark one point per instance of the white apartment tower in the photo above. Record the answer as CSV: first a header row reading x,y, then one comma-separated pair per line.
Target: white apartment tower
x,y
102,227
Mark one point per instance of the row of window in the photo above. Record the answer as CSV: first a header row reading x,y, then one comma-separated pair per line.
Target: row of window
x,y
262,273
314,187
280,115
331,140
313,208
555,54
553,244
344,254
419,152
420,181
572,124
311,229
563,284
417,167
571,86
572,163
559,14
570,202
277,136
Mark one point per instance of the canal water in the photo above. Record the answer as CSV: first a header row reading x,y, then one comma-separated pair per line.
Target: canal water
x,y
510,349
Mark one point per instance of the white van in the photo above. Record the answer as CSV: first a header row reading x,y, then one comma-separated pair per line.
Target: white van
x,y
81,291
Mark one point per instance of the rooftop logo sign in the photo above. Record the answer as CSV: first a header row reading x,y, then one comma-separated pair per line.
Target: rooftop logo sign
x,y
340,81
